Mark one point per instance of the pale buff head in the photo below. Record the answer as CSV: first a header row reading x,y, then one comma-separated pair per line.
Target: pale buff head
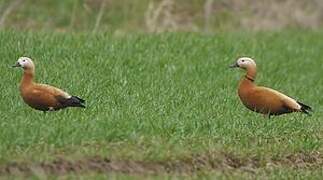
x,y
244,63
25,62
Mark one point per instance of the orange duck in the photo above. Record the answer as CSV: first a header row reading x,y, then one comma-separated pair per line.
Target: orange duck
x,y
261,99
41,96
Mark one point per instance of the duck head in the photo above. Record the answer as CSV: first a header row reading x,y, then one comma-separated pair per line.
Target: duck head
x,y
244,63
25,63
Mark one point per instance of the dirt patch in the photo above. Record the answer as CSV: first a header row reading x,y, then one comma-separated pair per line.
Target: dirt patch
x,y
210,161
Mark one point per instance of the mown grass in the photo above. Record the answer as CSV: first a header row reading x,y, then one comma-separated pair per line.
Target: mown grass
x,y
159,97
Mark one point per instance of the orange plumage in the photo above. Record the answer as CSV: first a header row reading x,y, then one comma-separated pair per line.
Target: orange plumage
x,y
261,99
41,96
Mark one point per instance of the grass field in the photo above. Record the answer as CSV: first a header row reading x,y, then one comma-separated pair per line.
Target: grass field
x,y
165,104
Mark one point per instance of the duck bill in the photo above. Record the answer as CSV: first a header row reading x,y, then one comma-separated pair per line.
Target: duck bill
x,y
235,65
16,65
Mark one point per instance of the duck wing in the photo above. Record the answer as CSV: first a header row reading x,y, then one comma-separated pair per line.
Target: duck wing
x,y
280,100
63,97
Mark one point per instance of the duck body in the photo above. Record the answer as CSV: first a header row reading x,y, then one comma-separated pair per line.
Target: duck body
x,y
44,97
48,98
264,100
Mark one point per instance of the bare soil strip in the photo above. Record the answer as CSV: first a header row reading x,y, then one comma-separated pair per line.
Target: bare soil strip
x,y
209,161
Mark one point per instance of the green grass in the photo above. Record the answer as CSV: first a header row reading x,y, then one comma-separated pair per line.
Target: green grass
x,y
160,97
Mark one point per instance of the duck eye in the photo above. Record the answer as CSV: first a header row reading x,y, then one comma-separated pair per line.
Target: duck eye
x,y
23,60
242,60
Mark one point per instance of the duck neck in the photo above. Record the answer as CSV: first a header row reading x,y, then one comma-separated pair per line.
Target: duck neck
x,y
251,74
247,80
28,77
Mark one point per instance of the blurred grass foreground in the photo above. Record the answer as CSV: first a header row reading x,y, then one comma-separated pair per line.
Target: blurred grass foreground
x,y
123,16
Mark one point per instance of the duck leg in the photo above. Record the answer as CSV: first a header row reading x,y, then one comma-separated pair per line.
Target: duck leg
x,y
266,116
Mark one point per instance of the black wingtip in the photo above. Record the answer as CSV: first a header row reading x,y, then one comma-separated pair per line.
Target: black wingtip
x,y
80,99
306,112
77,102
305,108
82,106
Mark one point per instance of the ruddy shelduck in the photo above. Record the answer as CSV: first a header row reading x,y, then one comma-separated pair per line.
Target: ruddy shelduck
x,y
41,96
261,99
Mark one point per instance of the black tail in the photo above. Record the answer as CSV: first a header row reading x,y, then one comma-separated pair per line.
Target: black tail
x,y
75,101
305,108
